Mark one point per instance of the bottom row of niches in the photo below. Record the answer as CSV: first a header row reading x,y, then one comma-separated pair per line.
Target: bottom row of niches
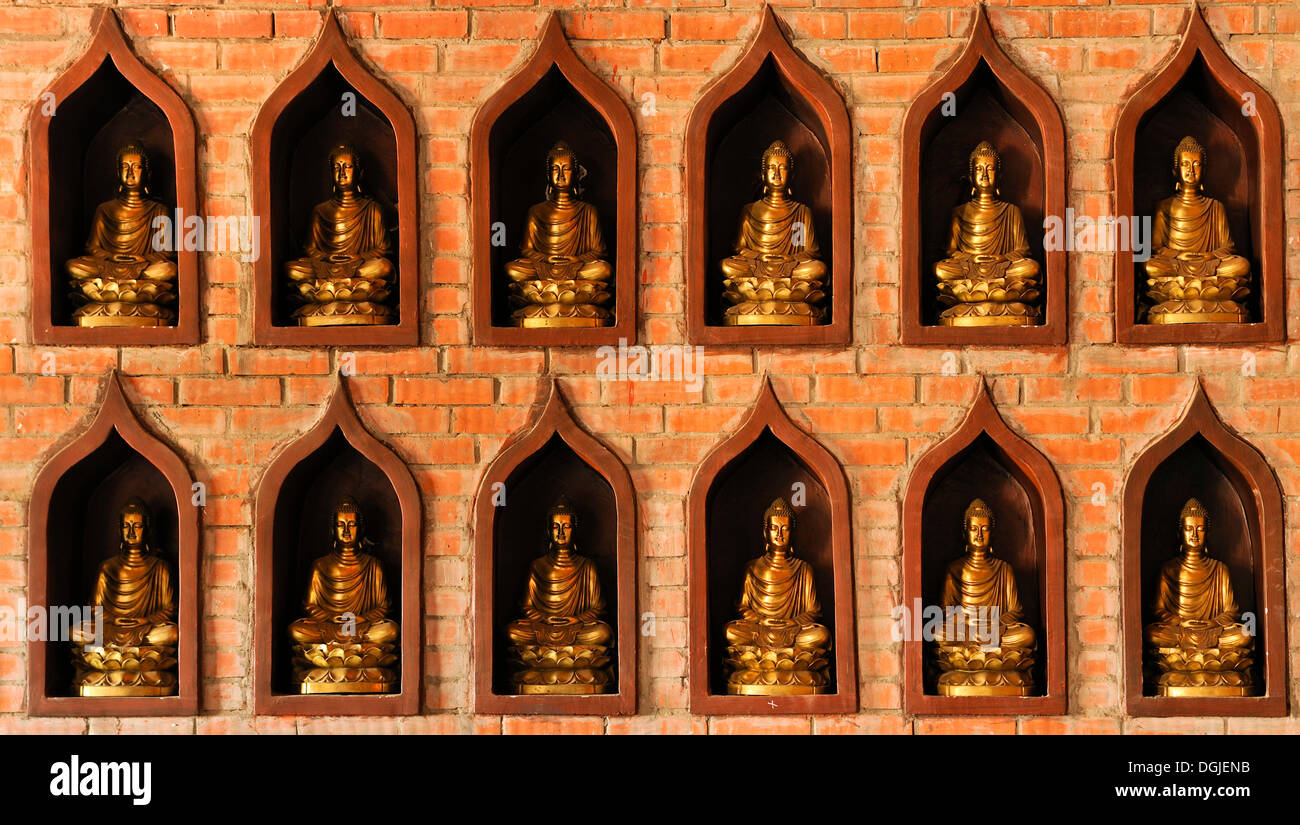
x,y
337,621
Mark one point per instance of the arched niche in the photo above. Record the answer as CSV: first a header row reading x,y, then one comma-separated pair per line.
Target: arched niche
x,y
105,99
554,97
337,457
331,98
771,93
983,95
768,456
553,457
1202,93
984,459
73,520
1201,458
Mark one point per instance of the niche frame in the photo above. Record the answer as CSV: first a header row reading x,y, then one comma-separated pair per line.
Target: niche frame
x,y
340,417
116,417
1031,470
331,52
1251,478
769,418
553,54
1024,101
555,421
109,46
770,60
1199,57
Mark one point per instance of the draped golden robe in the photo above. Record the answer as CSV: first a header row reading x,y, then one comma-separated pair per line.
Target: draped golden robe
x,y
1196,589
562,589
140,590
353,229
783,590
1200,226
570,230
340,586
990,232
120,245
768,229
986,583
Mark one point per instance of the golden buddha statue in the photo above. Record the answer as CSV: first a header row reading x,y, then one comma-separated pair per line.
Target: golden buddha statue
x,y
346,643
132,652
125,279
561,646
561,276
983,648
776,647
775,277
986,280
1193,277
344,276
1197,642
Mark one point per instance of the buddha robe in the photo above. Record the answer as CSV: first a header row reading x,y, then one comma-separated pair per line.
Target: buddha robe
x,y
341,586
767,246
348,238
569,231
120,245
987,242
1193,239
561,589
138,589
1196,589
988,583
779,589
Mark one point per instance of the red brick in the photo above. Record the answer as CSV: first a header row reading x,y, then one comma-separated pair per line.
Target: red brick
x,y
424,24
223,392
222,24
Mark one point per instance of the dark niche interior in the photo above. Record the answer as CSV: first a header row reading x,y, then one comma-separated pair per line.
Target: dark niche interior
x,y
737,499
96,120
328,112
984,471
551,111
1196,470
1199,106
984,110
765,109
520,536
304,533
83,531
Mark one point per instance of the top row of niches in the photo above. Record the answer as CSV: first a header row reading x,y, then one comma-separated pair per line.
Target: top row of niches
x,y
768,189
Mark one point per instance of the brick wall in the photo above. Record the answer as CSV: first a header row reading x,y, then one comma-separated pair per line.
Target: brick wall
x,y
447,407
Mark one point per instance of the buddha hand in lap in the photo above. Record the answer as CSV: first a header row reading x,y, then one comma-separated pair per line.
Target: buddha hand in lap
x,y
1193,276
775,277
132,652
983,648
346,643
127,276
986,278
777,647
560,277
560,645
343,277
1198,642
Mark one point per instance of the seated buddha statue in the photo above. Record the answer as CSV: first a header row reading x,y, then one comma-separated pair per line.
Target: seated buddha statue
x,y
560,645
986,279
1193,276
983,647
1197,641
775,277
346,643
777,647
125,279
132,650
560,278
343,276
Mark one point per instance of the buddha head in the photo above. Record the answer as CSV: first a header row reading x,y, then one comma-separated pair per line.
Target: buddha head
x,y
978,525
132,168
345,168
134,524
562,170
560,521
778,524
778,163
985,164
348,524
1193,521
1189,163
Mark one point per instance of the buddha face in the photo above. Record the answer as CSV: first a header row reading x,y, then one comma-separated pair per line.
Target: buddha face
x,y
561,529
561,171
1189,167
133,530
130,171
778,532
345,529
776,174
984,173
343,166
978,531
1194,532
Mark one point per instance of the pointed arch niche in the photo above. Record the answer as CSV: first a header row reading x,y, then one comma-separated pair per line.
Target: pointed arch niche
x,y
1202,93
1201,458
73,521
984,459
337,457
982,96
105,99
554,457
772,93
331,98
555,97
768,456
